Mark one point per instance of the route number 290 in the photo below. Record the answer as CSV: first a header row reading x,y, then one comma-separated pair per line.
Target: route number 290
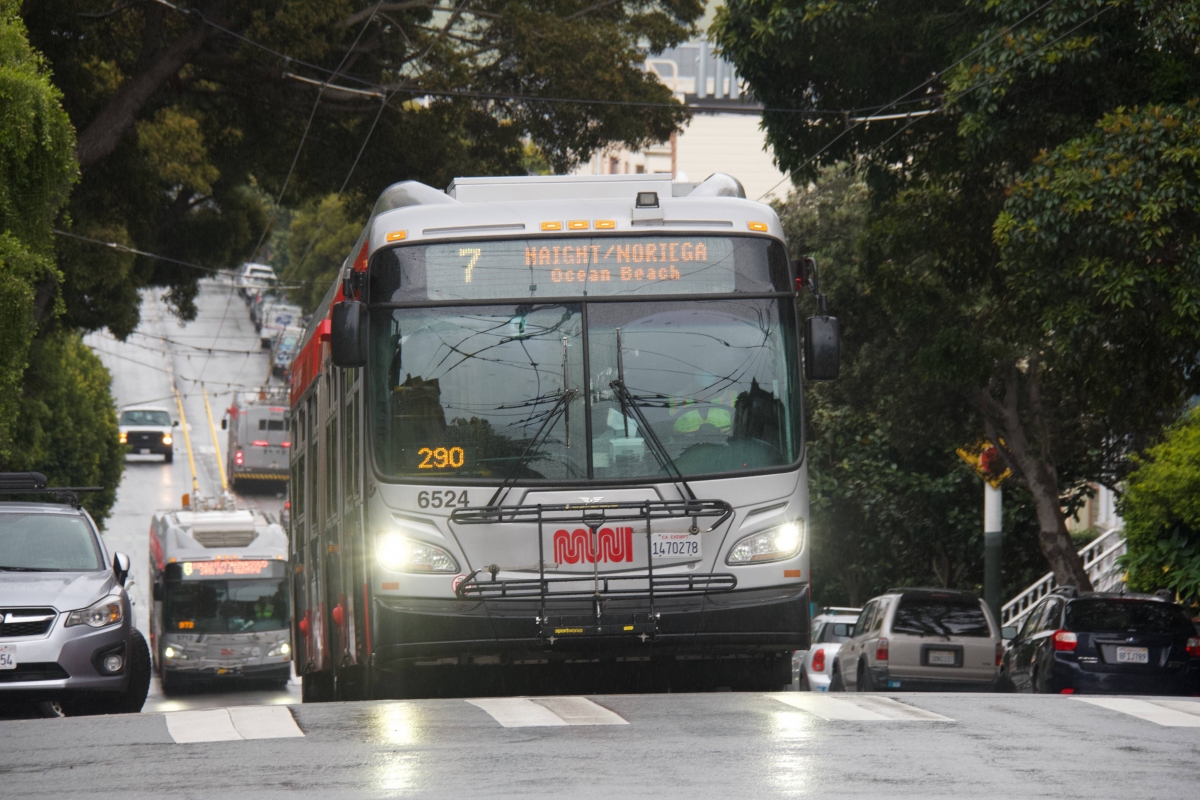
x,y
442,498
441,457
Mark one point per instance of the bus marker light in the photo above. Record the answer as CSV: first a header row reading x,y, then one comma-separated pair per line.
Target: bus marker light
x,y
577,225
386,585
397,236
606,224
552,226
761,227
628,627
791,573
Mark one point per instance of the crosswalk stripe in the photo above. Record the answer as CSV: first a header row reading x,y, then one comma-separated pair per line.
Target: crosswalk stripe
x,y
209,725
533,712
857,708
1169,713
265,722
230,724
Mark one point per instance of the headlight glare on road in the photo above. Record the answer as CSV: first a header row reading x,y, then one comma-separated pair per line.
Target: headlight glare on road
x,y
280,649
101,615
401,554
774,544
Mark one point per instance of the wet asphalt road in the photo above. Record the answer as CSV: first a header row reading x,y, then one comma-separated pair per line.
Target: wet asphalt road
x,y
720,745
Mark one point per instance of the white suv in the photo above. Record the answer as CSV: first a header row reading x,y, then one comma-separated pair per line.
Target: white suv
x,y
913,639
148,430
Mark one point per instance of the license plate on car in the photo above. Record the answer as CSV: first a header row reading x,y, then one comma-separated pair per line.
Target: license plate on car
x,y
674,545
942,658
145,451
8,656
1133,655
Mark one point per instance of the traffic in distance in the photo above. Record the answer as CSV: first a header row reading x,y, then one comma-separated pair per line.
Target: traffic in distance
x,y
540,434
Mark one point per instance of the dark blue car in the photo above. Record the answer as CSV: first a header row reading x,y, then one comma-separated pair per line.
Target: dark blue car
x,y
1099,643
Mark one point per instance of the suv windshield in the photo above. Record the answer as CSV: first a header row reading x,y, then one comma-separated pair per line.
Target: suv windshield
x,y
47,542
940,616
1128,616
462,391
233,606
160,419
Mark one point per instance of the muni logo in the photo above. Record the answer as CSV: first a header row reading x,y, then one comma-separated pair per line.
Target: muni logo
x,y
575,547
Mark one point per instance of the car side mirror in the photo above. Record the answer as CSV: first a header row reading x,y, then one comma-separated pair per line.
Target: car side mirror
x,y
348,334
174,423
1008,632
158,591
121,567
224,424
821,349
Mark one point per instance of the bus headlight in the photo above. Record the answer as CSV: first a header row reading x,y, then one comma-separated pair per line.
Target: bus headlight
x,y
401,554
280,649
106,612
174,653
774,544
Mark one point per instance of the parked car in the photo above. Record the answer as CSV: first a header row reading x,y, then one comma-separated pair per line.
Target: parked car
x,y
830,628
920,639
147,430
253,277
277,317
1104,643
258,301
284,350
68,639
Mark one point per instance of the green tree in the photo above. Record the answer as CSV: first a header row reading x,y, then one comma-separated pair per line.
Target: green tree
x,y
56,412
987,253
319,236
892,504
1161,507
185,128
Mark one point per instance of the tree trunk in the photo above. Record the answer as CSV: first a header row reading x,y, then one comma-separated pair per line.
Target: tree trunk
x,y
1033,465
105,132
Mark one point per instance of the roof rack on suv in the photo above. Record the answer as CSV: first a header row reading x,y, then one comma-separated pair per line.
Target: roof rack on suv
x,y
938,589
839,610
35,483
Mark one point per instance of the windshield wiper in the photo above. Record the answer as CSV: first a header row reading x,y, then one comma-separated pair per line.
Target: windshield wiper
x,y
28,569
560,407
629,405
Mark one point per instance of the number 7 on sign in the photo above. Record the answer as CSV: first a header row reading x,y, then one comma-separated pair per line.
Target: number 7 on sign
x,y
474,253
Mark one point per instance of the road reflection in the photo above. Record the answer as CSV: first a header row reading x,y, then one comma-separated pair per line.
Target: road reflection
x,y
791,764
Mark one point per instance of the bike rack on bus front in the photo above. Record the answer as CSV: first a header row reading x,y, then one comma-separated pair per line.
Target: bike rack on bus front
x,y
643,626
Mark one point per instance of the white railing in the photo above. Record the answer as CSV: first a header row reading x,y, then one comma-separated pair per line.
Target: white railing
x,y
1099,561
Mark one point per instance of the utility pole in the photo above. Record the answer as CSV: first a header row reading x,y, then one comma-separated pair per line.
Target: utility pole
x,y
992,538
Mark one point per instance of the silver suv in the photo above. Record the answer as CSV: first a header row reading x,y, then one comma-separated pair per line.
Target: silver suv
x,y
67,633
914,639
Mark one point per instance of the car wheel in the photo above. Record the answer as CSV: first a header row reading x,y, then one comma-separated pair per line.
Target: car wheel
x,y
317,687
1004,684
168,456
865,682
134,697
835,682
172,685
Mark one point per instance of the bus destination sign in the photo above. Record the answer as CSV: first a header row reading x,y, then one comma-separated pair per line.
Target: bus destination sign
x,y
578,267
202,570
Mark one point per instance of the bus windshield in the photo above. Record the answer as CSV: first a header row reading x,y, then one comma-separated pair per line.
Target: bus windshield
x,y
226,606
462,392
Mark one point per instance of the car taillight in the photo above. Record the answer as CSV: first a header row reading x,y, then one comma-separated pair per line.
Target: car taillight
x,y
260,443
1065,640
999,653
237,458
285,444
1193,647
818,664
881,650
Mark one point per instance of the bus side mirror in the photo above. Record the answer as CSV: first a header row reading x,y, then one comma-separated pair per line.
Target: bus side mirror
x,y
348,334
224,423
821,349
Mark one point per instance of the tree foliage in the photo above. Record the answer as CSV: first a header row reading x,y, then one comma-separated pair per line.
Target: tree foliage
x,y
1161,507
56,412
1029,247
318,237
892,504
191,118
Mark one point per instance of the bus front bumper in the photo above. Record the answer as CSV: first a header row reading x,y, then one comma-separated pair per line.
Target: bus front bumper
x,y
415,630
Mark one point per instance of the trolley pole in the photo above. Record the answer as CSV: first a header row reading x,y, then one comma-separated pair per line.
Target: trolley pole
x,y
992,538
212,426
187,440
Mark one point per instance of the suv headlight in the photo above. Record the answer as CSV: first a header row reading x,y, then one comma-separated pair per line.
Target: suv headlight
x,y
773,544
280,649
401,554
101,615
